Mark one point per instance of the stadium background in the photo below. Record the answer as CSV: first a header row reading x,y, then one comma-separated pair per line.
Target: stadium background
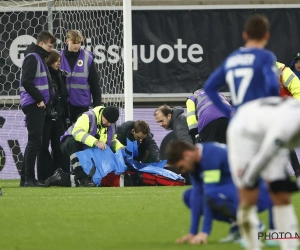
x,y
161,73
124,218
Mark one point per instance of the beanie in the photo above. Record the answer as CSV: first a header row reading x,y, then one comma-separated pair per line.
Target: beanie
x,y
111,114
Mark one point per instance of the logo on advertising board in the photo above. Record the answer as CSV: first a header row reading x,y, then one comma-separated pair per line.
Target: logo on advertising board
x,y
164,53
18,47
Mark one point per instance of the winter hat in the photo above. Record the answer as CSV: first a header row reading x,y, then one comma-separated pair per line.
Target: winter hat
x,y
111,114
297,56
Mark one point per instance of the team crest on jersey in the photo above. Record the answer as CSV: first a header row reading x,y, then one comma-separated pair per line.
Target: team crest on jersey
x,y
80,63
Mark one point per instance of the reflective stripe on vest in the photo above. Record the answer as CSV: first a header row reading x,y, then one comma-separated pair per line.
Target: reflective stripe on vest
x,y
93,121
92,128
193,126
190,113
279,70
77,86
199,100
38,73
110,133
43,87
288,81
77,78
40,81
203,107
85,72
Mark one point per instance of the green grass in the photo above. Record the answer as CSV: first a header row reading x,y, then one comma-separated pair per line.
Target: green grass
x,y
99,218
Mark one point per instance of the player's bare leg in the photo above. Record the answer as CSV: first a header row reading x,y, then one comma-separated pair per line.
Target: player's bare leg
x,y
247,218
285,219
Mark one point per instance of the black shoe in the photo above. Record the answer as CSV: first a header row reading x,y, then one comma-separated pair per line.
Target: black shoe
x,y
42,181
86,182
59,171
22,183
32,183
59,179
0,192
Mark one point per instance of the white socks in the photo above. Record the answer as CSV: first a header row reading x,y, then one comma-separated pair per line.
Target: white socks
x,y
286,221
248,222
72,179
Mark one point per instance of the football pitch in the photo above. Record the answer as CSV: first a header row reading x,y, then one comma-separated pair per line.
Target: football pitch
x,y
100,218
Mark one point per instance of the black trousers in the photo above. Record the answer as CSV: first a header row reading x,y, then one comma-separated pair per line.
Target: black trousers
x,y
214,131
35,121
69,147
47,163
75,112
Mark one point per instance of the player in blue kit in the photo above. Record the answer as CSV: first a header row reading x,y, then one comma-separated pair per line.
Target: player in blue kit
x,y
213,194
249,72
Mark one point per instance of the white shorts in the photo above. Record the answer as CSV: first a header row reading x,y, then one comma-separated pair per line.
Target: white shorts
x,y
244,143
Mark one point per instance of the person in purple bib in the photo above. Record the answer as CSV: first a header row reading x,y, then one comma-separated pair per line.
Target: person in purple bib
x,y
82,79
57,120
94,128
36,93
206,122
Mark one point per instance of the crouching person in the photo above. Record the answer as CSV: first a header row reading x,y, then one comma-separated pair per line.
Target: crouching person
x,y
94,128
213,194
137,131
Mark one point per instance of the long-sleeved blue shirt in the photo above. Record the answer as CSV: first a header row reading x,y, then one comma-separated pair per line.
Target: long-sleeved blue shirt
x,y
212,172
250,73
212,182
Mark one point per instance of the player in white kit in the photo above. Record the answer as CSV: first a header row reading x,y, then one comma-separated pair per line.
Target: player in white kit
x,y
259,136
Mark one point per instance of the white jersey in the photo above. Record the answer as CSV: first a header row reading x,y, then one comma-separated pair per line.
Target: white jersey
x,y
256,137
276,115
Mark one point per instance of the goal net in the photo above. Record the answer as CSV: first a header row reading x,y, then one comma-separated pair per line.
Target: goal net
x,y
101,23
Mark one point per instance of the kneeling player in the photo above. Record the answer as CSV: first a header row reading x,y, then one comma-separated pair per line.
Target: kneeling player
x,y
213,194
256,139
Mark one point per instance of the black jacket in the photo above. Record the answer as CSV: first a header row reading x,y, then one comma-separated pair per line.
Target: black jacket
x,y
29,70
61,104
179,125
124,132
93,77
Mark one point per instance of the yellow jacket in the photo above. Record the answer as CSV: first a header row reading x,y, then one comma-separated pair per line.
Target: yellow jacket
x,y
83,127
116,144
288,80
191,118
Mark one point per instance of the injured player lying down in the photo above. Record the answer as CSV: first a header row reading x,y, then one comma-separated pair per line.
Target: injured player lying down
x,y
107,169
213,194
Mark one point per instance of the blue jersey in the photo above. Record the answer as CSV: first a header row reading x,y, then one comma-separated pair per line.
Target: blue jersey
x,y
212,177
212,184
213,170
250,73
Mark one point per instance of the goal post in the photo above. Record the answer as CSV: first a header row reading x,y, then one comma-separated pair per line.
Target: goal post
x,y
102,23
128,79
